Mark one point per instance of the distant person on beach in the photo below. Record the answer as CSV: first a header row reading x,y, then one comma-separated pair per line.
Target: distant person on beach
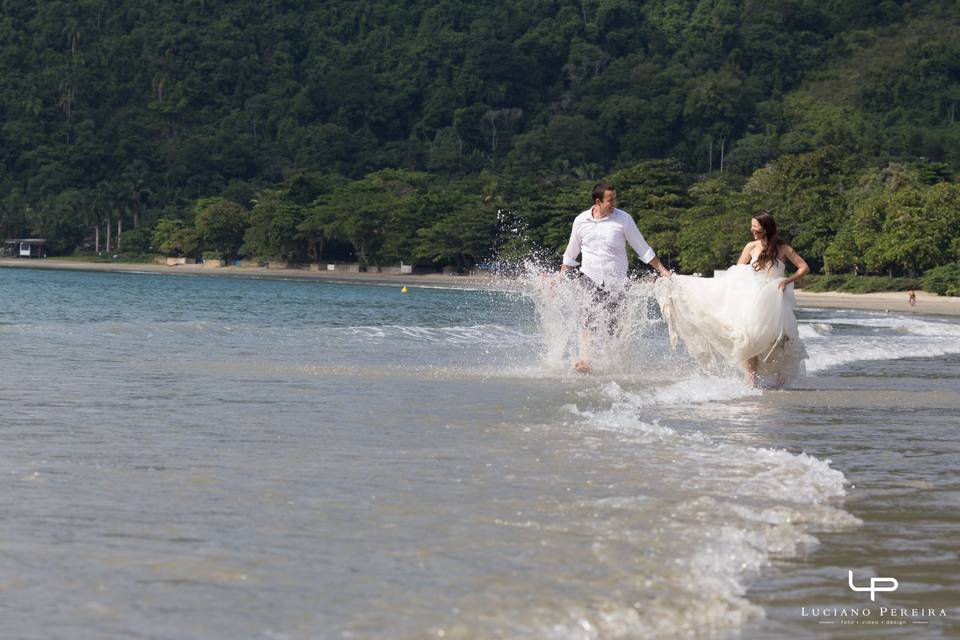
x,y
913,298
744,317
601,234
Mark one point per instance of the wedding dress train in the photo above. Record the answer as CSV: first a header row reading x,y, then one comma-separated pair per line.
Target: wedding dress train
x,y
737,315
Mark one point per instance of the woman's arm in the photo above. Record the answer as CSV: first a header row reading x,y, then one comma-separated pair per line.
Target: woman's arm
x,y
798,261
746,254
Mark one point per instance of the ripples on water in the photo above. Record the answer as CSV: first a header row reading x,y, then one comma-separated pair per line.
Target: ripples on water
x,y
240,458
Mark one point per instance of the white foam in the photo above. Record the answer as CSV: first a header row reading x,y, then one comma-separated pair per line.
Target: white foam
x,y
724,509
811,331
911,325
787,477
846,338
703,388
470,334
847,350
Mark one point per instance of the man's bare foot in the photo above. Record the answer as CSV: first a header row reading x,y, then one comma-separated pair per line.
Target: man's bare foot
x,y
580,366
753,376
778,383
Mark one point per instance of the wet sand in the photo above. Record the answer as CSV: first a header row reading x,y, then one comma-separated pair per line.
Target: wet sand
x,y
927,303
897,301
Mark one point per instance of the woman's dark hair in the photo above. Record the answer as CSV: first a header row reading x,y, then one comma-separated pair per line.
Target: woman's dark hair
x,y
770,243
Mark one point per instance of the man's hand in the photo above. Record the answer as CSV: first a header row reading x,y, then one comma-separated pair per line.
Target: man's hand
x,y
563,269
662,270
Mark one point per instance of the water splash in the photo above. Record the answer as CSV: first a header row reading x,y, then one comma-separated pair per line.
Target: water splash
x,y
618,332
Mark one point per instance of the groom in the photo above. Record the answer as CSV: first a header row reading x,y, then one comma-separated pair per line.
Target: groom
x,y
601,234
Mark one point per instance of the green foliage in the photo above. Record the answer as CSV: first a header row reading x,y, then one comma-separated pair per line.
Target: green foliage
x,y
859,284
806,195
437,132
173,237
376,214
463,238
274,227
59,219
897,222
220,226
534,222
944,280
656,193
715,228
137,241
915,234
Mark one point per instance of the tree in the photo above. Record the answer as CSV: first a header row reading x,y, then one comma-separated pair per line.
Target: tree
x,y
656,193
373,214
919,227
59,219
273,231
575,139
715,228
143,107
138,240
806,195
174,237
463,237
221,226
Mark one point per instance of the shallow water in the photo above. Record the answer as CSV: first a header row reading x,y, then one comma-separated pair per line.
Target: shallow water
x,y
220,458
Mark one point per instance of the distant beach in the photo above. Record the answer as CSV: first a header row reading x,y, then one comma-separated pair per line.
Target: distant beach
x,y
436,280
893,301
927,303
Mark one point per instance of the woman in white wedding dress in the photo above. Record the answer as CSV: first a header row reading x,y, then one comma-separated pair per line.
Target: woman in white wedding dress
x,y
742,317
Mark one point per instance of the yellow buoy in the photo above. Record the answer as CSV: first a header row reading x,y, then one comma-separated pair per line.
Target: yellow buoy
x,y
404,290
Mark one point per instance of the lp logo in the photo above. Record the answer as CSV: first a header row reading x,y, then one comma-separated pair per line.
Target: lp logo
x,y
891,584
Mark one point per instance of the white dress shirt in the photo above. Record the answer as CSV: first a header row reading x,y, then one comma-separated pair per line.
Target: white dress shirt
x,y
602,241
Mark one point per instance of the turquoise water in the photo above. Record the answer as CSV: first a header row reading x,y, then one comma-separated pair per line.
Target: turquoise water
x,y
224,458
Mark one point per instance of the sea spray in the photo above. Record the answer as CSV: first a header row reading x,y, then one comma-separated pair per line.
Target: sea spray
x,y
616,332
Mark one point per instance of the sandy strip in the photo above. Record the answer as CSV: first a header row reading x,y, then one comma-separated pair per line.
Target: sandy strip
x,y
898,302
927,303
384,279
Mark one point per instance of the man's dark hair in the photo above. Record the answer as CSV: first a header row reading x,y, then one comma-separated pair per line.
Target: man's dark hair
x,y
599,190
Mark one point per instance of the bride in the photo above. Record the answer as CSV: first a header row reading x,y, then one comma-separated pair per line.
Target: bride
x,y
743,317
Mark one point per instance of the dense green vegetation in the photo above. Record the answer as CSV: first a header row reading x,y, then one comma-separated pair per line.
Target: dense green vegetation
x,y
447,132
944,280
849,283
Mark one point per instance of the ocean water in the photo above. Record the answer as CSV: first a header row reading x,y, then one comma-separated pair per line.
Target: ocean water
x,y
191,457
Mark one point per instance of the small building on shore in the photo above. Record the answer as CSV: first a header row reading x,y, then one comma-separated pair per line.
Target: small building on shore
x,y
25,248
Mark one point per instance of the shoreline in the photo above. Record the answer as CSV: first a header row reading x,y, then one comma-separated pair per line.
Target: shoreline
x,y
927,303
888,301
430,280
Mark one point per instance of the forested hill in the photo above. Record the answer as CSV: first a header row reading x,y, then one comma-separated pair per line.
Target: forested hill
x,y
387,130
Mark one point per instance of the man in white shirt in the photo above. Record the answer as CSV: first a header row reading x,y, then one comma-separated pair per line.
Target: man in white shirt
x,y
601,234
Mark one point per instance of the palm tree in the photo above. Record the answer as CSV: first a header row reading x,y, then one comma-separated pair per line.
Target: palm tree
x,y
137,191
103,203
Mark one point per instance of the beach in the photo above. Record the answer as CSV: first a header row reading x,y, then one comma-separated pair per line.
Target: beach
x,y
222,457
927,303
